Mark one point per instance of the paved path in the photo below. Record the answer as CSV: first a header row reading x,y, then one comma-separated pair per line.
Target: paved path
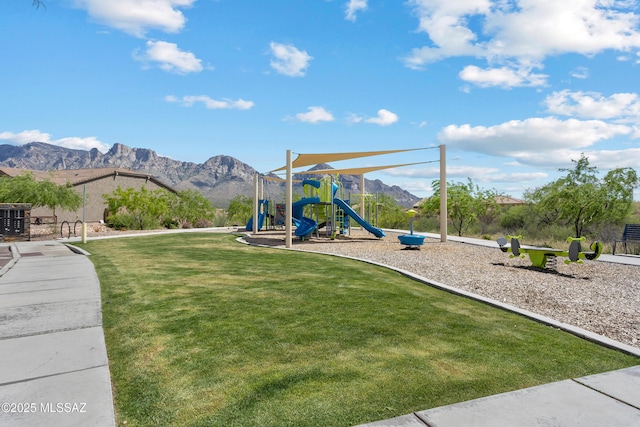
x,y
610,399
53,360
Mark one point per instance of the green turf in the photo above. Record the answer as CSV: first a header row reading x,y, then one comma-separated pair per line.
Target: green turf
x,y
203,331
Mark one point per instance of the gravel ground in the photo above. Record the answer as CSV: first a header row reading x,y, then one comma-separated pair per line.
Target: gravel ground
x,y
600,297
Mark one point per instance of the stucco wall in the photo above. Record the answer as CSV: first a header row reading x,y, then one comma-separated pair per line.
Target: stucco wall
x,y
95,204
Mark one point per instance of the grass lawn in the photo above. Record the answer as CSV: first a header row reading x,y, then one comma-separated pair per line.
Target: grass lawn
x,y
203,331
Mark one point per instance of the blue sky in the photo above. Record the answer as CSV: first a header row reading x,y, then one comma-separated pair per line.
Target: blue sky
x,y
516,89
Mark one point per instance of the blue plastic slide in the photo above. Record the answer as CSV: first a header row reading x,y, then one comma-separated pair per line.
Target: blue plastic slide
x,y
348,210
304,225
262,213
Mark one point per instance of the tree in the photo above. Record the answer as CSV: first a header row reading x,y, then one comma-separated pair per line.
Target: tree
x,y
38,3
465,203
190,208
390,213
514,218
581,200
240,209
24,188
144,209
137,209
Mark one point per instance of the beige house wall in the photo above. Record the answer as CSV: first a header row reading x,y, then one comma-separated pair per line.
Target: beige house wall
x,y
95,204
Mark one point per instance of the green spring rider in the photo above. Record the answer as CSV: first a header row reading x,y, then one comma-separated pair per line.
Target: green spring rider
x,y
540,255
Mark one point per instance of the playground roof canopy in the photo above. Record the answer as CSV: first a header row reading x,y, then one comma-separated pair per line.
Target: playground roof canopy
x,y
357,171
314,159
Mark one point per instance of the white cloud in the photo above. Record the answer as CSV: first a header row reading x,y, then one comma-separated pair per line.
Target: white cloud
x,y
35,135
536,29
136,17
610,159
420,188
384,118
353,7
353,118
503,76
580,73
624,107
288,60
542,142
315,115
211,104
477,173
170,57
521,33
446,24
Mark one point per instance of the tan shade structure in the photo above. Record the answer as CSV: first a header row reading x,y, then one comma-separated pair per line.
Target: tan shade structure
x,y
358,171
314,159
275,178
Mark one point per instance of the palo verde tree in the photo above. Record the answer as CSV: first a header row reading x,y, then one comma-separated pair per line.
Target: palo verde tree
x,y
137,209
465,203
145,209
390,213
189,208
582,200
240,209
24,188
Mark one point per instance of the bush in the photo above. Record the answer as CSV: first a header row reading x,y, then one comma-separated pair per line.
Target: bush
x,y
127,221
144,209
427,224
513,219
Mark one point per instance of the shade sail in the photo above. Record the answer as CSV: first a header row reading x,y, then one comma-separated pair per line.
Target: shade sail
x,y
314,159
275,178
357,171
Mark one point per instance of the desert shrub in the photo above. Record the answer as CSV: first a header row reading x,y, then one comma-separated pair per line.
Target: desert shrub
x,y
513,219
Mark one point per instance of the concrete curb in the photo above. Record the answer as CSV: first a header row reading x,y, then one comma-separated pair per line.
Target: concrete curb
x,y
15,257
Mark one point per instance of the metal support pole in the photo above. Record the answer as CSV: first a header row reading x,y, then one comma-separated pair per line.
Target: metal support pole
x,y
362,195
289,208
84,204
255,205
261,188
443,193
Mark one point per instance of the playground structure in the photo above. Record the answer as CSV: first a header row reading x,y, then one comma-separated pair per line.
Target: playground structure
x,y
540,256
322,158
322,207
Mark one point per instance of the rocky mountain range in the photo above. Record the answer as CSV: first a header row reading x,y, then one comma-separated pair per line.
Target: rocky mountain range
x,y
220,178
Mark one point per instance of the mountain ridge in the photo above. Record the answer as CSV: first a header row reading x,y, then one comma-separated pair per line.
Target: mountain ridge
x,y
220,178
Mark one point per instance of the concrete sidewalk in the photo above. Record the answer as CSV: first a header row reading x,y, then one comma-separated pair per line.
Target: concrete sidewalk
x,y
53,358
610,399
